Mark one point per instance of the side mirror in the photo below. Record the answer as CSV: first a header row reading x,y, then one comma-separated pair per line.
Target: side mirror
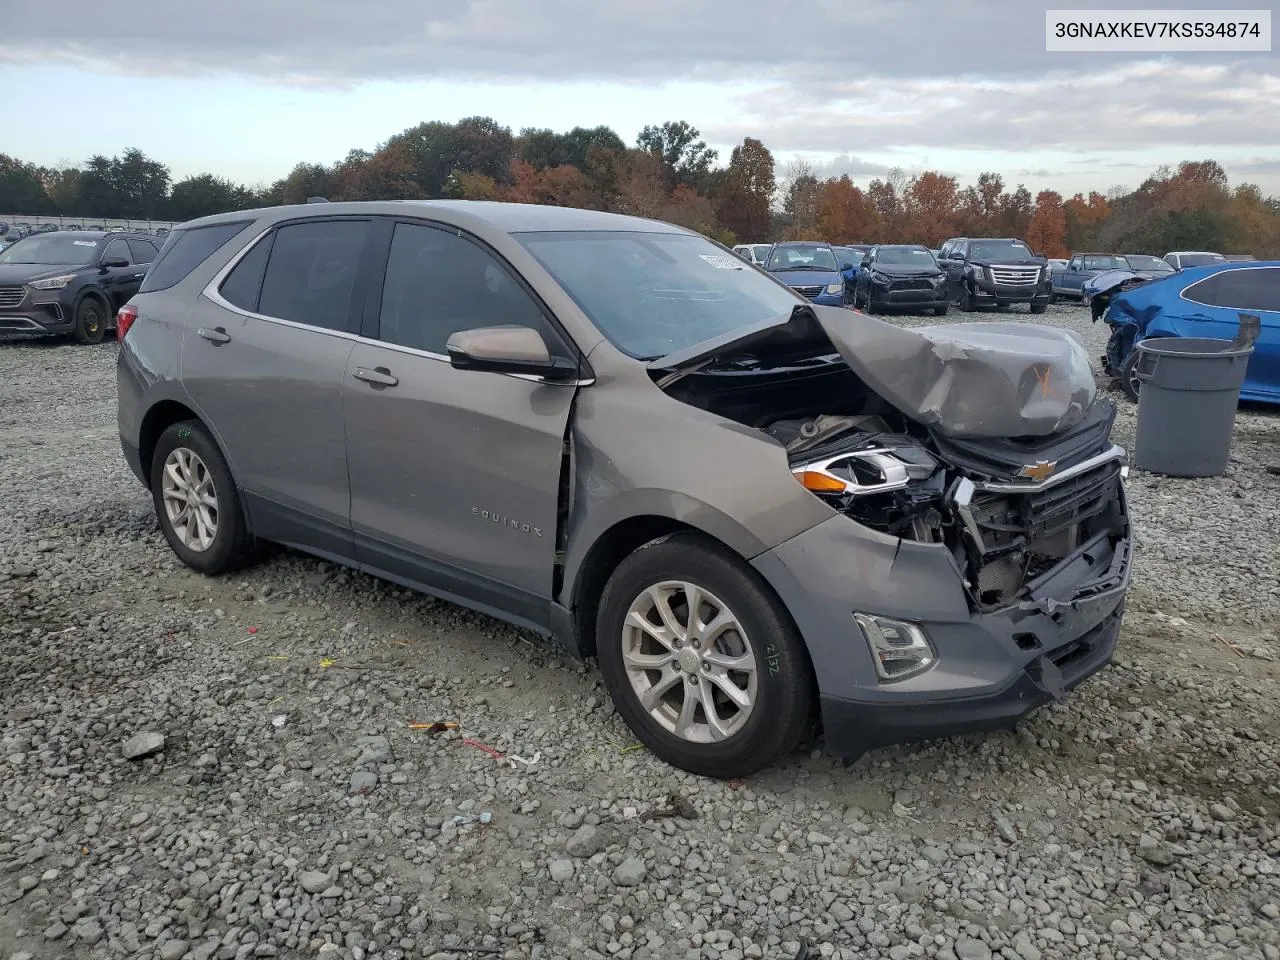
x,y
507,350
846,266
115,262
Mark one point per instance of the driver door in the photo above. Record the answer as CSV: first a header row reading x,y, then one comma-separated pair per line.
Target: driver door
x,y
120,283
455,474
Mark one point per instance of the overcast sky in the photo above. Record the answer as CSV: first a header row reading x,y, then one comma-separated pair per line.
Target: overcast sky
x,y
247,88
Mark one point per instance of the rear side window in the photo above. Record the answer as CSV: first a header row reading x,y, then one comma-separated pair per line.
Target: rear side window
x,y
1248,289
244,283
311,272
185,250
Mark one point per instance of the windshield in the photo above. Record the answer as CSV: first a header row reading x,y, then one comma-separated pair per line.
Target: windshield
x,y
1201,259
803,256
848,255
910,256
655,293
52,249
1137,262
999,250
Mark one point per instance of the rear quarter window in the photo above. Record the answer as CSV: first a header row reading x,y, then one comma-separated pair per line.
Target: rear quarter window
x,y
186,249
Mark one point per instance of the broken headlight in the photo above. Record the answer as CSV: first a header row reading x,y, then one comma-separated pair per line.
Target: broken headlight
x,y
861,472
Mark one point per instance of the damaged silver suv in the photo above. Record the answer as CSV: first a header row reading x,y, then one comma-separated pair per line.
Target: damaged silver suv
x,y
758,513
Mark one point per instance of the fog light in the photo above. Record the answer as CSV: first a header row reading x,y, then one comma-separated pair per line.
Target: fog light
x,y
899,650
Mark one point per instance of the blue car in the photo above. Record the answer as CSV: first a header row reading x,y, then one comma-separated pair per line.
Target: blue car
x,y
850,257
1195,302
810,269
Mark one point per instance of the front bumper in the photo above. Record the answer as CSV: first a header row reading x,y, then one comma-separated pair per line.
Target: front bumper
x,y
823,299
35,317
1001,294
992,669
895,296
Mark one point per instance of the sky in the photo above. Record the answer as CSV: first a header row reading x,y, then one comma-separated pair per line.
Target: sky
x,y
247,88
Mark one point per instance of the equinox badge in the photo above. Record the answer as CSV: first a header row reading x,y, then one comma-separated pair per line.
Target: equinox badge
x,y
1038,471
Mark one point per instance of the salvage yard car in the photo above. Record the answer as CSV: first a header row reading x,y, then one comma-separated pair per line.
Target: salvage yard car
x,y
1069,280
900,275
1181,259
70,282
1196,302
752,509
811,269
995,273
755,253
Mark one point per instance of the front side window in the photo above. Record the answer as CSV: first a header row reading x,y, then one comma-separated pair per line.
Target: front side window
x,y
438,283
652,294
311,272
117,250
1248,290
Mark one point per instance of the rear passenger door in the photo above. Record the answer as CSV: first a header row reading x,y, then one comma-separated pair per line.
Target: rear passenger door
x,y
455,474
143,254
264,357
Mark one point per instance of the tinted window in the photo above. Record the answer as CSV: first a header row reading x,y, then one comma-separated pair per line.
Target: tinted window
x,y
311,272
244,282
1200,259
185,250
1249,289
654,293
117,250
1000,249
907,256
438,283
141,252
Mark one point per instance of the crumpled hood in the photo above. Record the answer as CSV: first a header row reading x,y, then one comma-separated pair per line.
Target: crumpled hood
x,y
905,270
970,379
963,379
1109,280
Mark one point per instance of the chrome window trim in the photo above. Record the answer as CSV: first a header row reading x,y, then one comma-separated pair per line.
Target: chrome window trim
x,y
1115,453
1182,294
212,293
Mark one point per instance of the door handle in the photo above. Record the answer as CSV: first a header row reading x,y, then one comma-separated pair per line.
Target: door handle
x,y
138,276
216,335
379,376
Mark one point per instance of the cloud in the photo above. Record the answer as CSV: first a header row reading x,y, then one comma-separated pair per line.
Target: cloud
x,y
339,42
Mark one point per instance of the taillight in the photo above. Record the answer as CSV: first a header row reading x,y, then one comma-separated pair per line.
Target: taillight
x,y
124,320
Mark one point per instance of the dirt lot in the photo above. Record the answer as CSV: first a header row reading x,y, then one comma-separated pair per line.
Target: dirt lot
x,y
1139,819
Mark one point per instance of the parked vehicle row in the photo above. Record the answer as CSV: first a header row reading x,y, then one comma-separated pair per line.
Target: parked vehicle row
x,y
1069,280
529,410
994,273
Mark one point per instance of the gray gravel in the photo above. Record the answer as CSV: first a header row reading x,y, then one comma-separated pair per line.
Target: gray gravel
x,y
196,768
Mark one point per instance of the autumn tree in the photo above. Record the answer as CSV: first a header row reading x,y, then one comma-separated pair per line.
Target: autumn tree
x,y
802,201
744,202
1015,212
642,186
1084,217
1047,233
846,214
884,197
929,208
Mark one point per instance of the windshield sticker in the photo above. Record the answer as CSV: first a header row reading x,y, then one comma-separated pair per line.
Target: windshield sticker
x,y
84,243
723,263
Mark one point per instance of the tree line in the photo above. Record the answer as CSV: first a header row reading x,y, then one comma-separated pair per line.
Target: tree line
x,y
670,173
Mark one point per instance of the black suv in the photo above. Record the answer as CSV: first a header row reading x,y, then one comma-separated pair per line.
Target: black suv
x,y
995,273
70,281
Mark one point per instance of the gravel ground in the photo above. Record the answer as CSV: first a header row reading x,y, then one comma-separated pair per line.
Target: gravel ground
x,y
197,768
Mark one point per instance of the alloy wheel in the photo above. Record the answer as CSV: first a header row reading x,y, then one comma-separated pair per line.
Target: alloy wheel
x,y
190,499
689,662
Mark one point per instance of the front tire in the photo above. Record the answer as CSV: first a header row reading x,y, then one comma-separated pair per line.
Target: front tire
x,y
1128,376
91,321
940,311
966,300
196,500
722,692
1039,307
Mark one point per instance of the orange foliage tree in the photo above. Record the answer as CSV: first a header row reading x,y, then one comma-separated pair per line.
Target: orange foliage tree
x,y
846,214
1047,234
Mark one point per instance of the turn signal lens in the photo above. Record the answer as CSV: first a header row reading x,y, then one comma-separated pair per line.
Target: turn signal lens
x,y
820,482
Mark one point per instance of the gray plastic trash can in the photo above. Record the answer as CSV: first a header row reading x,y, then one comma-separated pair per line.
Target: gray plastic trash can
x,y
1187,403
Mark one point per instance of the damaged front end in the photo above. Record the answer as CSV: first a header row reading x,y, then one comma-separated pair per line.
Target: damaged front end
x,y
1008,511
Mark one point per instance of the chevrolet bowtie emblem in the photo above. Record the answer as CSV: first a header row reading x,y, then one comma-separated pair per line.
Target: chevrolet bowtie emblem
x,y
1040,470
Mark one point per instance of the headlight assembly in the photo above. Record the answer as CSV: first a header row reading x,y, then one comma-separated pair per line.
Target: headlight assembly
x,y
52,283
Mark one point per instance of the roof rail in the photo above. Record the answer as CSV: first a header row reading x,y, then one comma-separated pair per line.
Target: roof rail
x,y
317,199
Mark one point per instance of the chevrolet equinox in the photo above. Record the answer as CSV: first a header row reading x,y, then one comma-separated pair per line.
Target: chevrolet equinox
x,y
759,514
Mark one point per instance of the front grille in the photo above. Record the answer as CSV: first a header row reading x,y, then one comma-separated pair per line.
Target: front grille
x,y
809,292
1026,534
12,296
920,284
1015,276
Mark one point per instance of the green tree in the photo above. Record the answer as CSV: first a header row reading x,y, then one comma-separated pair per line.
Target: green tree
x,y
205,194
744,202
21,189
681,149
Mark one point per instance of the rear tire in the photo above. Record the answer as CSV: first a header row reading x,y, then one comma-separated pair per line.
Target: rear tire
x,y
758,713
91,321
940,311
196,500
